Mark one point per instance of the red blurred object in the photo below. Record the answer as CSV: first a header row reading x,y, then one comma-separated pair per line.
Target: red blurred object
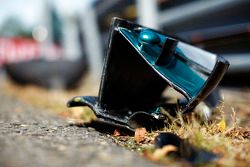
x,y
15,50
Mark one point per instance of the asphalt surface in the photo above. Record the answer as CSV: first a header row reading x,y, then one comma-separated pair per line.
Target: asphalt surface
x,y
32,137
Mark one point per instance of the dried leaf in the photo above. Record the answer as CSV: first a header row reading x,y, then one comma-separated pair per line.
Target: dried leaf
x,y
140,134
160,153
222,125
124,138
116,133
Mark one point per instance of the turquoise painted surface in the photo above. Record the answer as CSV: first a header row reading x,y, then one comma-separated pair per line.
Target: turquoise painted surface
x,y
179,70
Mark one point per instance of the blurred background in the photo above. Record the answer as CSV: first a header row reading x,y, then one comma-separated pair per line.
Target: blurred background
x,y
56,44
53,50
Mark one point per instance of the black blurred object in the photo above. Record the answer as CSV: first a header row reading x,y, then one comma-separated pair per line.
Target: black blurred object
x,y
184,149
49,74
167,138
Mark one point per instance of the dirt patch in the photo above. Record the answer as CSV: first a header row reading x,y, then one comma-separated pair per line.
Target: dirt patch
x,y
30,136
227,134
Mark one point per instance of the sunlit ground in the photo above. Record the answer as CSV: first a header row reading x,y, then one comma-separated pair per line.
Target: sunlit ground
x,y
228,133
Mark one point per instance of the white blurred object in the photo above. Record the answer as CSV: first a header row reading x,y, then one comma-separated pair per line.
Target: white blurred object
x,y
68,11
147,13
40,33
92,41
71,44
203,111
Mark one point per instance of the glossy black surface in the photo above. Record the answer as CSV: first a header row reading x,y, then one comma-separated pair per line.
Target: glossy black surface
x,y
130,94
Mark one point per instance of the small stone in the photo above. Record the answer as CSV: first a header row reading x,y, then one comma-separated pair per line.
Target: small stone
x,y
91,129
16,124
54,128
167,138
61,147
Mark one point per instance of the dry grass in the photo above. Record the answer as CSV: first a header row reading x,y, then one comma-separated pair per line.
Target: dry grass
x,y
227,135
54,100
231,143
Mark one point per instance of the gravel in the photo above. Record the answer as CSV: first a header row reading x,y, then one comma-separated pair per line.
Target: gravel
x,y
33,137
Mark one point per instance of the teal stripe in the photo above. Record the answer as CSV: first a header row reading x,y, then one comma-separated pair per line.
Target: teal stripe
x,y
178,71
